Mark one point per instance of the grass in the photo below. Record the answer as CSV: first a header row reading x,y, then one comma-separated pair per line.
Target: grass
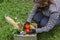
x,y
20,9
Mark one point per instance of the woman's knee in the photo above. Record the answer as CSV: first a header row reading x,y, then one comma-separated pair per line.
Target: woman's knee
x,y
44,21
38,16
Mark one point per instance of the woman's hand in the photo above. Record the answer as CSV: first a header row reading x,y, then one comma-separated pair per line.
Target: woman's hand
x,y
27,29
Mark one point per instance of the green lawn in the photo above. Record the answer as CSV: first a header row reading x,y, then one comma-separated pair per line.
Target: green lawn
x,y
20,9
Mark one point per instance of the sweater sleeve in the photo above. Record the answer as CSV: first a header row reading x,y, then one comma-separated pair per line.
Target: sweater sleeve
x,y
32,13
52,20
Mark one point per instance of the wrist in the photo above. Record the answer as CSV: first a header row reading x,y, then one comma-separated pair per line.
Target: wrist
x,y
28,22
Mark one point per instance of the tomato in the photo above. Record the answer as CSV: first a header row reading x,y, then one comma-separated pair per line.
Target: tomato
x,y
27,30
27,26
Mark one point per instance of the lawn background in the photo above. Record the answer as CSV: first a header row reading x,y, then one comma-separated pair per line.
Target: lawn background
x,y
20,9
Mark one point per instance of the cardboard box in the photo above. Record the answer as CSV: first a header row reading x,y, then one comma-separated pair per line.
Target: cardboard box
x,y
25,37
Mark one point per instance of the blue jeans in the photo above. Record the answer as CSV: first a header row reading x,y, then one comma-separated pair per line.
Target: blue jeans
x,y
39,17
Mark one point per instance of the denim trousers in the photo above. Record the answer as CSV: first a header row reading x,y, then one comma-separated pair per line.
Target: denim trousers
x,y
43,20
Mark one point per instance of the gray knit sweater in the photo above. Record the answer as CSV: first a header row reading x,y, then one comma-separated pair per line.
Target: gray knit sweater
x,y
52,12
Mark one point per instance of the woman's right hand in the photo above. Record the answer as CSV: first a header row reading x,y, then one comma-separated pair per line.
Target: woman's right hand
x,y
26,27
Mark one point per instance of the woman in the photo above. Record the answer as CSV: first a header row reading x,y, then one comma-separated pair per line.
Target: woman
x,y
46,13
